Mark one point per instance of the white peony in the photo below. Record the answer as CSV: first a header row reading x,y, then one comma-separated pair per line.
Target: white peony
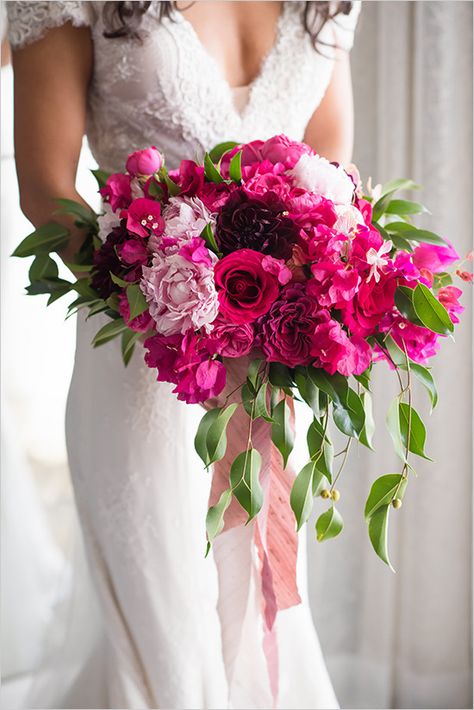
x,y
107,221
314,173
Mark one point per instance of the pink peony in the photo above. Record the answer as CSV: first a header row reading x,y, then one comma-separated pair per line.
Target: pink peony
x,y
186,217
230,339
144,162
144,218
180,293
278,149
433,257
287,330
141,323
183,361
117,191
310,211
449,297
246,290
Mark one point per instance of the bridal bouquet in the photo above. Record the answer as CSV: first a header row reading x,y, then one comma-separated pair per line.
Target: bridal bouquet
x,y
266,255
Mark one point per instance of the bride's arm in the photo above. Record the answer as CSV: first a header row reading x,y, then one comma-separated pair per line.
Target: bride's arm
x,y
330,130
51,81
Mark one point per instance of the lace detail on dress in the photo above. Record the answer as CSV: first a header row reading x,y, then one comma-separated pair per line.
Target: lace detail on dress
x,y
29,21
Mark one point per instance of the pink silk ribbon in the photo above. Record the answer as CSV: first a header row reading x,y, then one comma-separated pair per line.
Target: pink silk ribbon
x,y
274,530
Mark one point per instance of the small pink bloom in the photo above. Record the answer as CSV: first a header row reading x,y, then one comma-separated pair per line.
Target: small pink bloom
x,y
464,275
144,162
144,218
195,250
189,176
278,268
357,358
433,257
330,347
449,297
117,191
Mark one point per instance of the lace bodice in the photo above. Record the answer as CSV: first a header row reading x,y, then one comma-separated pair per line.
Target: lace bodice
x,y
170,92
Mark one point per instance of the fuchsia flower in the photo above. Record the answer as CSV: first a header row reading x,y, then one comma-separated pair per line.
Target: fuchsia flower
x,y
184,361
334,283
420,343
144,217
246,290
449,297
117,191
433,257
334,351
371,302
144,163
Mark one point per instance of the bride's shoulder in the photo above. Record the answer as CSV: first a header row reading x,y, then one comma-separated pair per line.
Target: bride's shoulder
x,y
28,20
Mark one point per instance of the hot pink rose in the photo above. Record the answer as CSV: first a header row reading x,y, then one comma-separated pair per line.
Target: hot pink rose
x,y
144,218
433,257
287,330
141,323
246,290
371,302
230,339
117,191
144,162
183,361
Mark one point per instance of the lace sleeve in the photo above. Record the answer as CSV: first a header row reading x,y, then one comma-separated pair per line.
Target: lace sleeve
x,y
343,27
29,21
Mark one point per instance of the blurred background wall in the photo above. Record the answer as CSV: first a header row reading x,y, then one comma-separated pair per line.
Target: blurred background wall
x,y
391,640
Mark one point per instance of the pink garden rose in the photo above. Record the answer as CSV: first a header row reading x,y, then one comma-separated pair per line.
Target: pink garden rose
x,y
180,293
246,290
434,257
144,218
117,191
230,339
182,360
144,163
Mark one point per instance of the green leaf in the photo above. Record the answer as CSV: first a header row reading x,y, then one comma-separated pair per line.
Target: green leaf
x,y
136,301
320,449
426,378
118,281
301,497
412,430
408,231
215,516
350,417
61,291
282,434
364,379
210,170
216,439
173,188
335,386
99,307
401,243
404,207
393,426
430,311
253,371
280,375
84,289
399,184
244,479
441,279
47,238
108,332
382,231
201,434
129,338
101,177
329,524
71,207
404,303
220,149
378,534
261,406
43,267
383,491
208,236
308,390
79,268
367,433
235,169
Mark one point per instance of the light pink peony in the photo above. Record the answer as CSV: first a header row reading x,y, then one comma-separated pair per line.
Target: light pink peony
x,y
314,173
181,294
186,217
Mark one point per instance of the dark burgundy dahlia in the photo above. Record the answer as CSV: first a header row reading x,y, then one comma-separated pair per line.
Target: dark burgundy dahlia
x,y
107,259
260,223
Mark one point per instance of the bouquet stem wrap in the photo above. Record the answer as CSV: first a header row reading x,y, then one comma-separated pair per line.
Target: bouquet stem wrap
x,y
273,534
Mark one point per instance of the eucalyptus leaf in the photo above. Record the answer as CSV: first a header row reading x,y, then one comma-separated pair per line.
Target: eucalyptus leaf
x,y
335,386
282,433
426,378
329,524
244,479
301,497
320,449
350,416
367,433
308,390
430,311
393,426
201,434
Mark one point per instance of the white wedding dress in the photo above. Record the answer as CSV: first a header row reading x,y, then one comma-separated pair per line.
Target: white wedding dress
x,y
171,637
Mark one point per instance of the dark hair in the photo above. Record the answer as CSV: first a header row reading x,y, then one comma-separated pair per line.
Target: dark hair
x,y
123,19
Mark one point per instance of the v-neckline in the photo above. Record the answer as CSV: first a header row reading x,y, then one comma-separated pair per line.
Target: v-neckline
x,y
213,63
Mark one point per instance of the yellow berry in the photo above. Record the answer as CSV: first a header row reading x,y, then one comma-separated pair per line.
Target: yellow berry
x,y
397,503
325,493
335,495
